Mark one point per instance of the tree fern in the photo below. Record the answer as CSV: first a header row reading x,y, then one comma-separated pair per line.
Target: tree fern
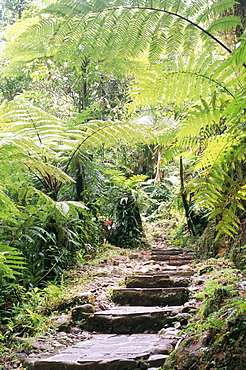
x,y
90,30
36,141
222,195
181,80
11,263
203,88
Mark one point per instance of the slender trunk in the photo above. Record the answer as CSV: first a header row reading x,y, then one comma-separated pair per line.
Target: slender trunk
x,y
158,171
83,98
188,212
80,183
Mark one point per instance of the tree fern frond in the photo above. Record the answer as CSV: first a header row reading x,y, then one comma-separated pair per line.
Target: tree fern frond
x,y
110,30
193,123
11,262
222,196
216,150
8,210
175,34
195,8
238,56
225,23
236,106
214,9
175,82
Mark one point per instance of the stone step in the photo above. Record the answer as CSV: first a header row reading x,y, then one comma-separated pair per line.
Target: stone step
x,y
173,261
110,352
156,281
150,296
172,251
169,250
173,257
175,272
135,319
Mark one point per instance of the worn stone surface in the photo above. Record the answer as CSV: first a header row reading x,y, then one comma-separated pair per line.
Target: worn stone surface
x,y
175,262
111,352
166,257
173,271
156,281
157,360
123,320
138,334
150,296
169,251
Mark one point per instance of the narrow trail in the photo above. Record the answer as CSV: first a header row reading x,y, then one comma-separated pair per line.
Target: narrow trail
x,y
133,326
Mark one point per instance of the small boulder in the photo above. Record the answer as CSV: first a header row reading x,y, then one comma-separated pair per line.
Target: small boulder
x,y
62,322
82,312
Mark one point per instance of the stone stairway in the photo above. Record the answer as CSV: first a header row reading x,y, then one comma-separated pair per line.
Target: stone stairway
x,y
142,329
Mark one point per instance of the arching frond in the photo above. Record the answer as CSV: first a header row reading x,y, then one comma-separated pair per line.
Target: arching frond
x,y
222,196
217,149
110,30
194,122
175,82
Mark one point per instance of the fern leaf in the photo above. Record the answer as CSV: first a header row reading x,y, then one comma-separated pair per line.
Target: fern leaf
x,y
225,23
11,262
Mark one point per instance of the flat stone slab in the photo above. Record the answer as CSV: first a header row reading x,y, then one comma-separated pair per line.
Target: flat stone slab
x,y
172,261
166,257
156,281
175,272
109,352
135,319
173,251
169,250
150,296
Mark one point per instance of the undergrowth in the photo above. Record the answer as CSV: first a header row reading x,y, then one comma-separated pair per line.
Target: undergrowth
x,y
27,313
215,336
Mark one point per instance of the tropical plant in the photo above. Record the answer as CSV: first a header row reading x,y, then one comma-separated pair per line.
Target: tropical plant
x,y
126,201
11,263
203,93
57,210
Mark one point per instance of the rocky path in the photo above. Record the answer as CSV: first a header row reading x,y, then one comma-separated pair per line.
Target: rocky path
x,y
141,326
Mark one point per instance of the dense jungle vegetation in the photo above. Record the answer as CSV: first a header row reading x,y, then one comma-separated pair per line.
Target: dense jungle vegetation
x,y
117,114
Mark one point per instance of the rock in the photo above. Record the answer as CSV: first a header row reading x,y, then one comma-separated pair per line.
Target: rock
x,y
150,296
166,332
109,352
162,280
77,298
123,320
62,322
157,360
82,312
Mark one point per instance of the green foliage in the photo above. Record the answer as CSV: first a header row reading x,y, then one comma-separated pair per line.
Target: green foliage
x,y
125,228
128,232
217,331
44,224
11,263
197,97
222,285
83,31
204,89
